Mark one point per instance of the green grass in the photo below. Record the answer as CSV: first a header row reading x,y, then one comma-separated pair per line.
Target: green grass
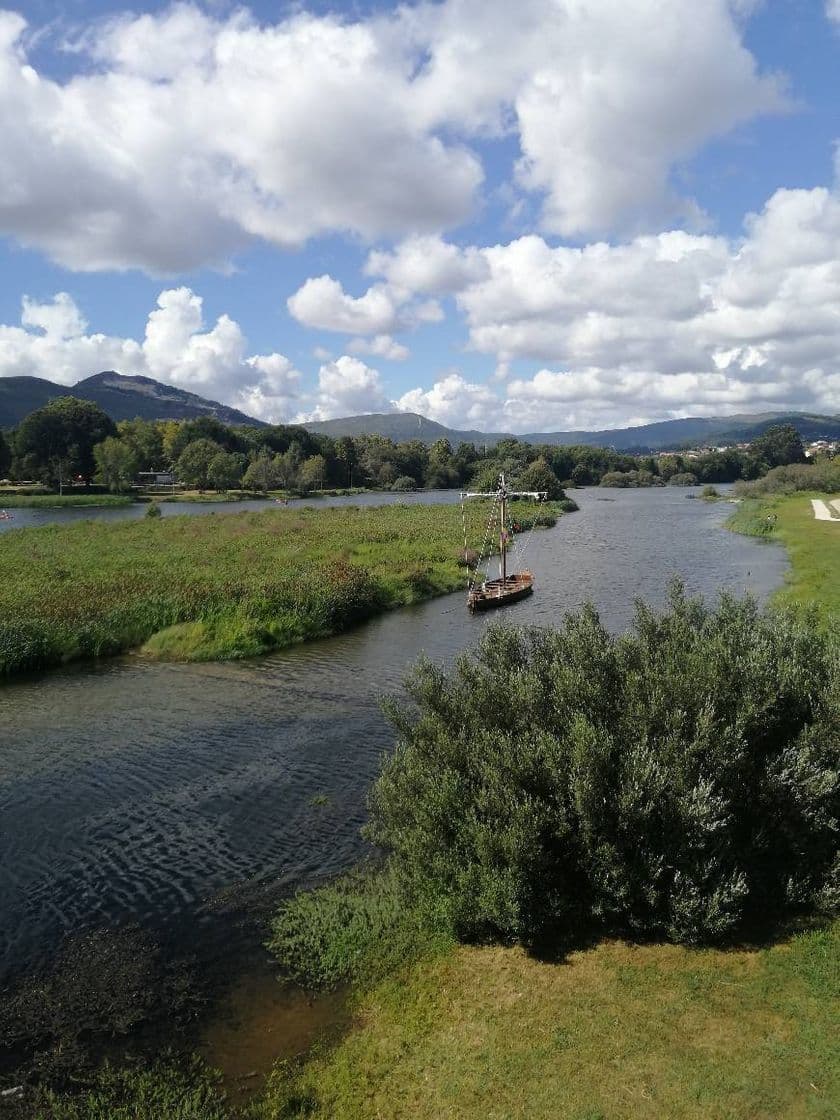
x,y
813,547
62,501
618,1032
223,585
159,1092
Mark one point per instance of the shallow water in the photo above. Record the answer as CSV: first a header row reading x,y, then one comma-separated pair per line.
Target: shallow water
x,y
165,794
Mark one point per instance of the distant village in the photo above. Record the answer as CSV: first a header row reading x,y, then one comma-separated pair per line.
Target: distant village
x,y
812,450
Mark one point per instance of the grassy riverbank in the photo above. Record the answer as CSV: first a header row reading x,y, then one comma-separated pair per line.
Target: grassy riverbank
x,y
616,1032
221,586
813,546
63,501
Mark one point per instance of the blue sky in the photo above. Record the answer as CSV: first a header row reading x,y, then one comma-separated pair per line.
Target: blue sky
x,y
540,216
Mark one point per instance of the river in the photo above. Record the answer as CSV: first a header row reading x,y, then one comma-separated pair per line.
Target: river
x,y
132,791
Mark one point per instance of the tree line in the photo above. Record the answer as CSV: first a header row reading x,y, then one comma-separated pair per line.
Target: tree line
x,y
71,440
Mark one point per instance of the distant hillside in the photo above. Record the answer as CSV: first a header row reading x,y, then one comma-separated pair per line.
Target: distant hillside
x,y
398,426
121,397
664,435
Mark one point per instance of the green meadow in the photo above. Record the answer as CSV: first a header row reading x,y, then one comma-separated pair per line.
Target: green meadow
x,y
813,546
62,501
222,585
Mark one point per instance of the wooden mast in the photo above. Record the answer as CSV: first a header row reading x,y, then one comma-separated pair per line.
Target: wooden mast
x,y
502,541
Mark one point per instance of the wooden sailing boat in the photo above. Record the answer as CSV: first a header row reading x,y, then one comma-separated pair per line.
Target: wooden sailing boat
x,y
510,586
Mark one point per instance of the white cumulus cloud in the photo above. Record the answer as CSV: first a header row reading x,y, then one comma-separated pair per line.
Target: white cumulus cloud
x,y
456,402
382,346
186,136
322,303
347,387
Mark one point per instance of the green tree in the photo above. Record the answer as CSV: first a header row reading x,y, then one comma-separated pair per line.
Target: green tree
x,y
312,473
540,476
264,473
347,457
5,456
116,464
225,470
780,445
56,442
145,438
193,466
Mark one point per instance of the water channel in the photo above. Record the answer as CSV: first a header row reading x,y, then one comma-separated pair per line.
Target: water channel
x,y
132,791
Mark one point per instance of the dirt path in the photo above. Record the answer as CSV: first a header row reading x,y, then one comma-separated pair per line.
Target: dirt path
x,y
822,511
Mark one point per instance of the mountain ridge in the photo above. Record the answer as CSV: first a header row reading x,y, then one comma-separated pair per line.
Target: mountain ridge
x,y
661,435
122,397
126,397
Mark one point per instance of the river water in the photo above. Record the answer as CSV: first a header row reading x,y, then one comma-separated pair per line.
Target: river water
x,y
132,791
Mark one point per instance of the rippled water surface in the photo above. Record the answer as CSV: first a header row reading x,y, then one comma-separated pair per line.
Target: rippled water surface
x,y
134,791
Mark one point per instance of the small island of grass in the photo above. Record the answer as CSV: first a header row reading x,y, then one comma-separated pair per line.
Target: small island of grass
x,y
223,586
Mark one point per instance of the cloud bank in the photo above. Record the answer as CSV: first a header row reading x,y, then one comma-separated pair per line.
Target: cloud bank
x,y
187,137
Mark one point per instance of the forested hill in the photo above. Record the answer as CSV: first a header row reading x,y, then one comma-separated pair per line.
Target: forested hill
x,y
123,398
664,435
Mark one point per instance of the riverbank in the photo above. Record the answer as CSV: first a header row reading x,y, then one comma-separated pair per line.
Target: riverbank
x,y
64,501
615,1032
225,586
813,546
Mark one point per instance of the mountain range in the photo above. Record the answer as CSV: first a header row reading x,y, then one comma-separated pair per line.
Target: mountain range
x,y
693,431
124,398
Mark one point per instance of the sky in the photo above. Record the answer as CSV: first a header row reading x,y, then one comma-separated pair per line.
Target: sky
x,y
533,216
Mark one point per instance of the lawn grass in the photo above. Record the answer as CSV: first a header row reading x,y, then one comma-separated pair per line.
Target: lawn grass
x,y
813,546
222,585
616,1032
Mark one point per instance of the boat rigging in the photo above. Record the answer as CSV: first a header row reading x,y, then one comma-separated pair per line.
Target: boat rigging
x,y
509,587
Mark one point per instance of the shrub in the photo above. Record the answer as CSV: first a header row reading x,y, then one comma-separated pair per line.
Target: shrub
x,y
360,927
154,510
404,483
684,478
823,476
679,781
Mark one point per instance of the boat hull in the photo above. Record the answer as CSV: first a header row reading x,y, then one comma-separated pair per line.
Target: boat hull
x,y
499,593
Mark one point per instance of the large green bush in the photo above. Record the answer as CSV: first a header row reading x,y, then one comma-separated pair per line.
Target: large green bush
x,y
679,781
822,475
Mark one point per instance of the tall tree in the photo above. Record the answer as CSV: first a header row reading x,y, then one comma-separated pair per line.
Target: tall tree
x,y
56,442
5,456
116,464
540,476
345,453
225,470
145,438
193,466
312,473
781,444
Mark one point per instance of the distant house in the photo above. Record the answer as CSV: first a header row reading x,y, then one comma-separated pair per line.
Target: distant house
x,y
149,479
